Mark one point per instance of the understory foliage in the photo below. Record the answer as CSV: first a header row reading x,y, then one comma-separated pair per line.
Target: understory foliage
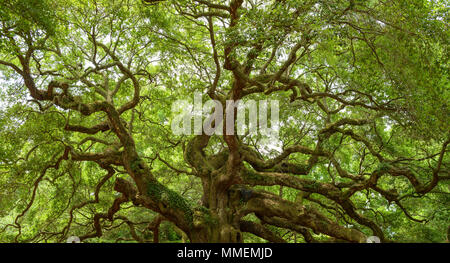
x,y
87,150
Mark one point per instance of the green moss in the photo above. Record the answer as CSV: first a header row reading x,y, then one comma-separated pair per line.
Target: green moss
x,y
154,189
202,209
135,164
312,186
207,217
254,176
171,198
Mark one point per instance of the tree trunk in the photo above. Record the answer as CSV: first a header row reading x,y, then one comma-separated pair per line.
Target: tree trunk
x,y
216,221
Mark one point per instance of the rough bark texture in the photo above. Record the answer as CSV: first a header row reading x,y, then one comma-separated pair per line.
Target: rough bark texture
x,y
229,177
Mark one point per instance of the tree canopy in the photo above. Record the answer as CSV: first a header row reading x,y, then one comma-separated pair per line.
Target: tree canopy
x,y
86,107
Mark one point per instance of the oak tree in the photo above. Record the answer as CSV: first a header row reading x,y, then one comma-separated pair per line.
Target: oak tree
x,y
86,110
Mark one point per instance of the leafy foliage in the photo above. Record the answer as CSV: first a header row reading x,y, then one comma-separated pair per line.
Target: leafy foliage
x,y
86,146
